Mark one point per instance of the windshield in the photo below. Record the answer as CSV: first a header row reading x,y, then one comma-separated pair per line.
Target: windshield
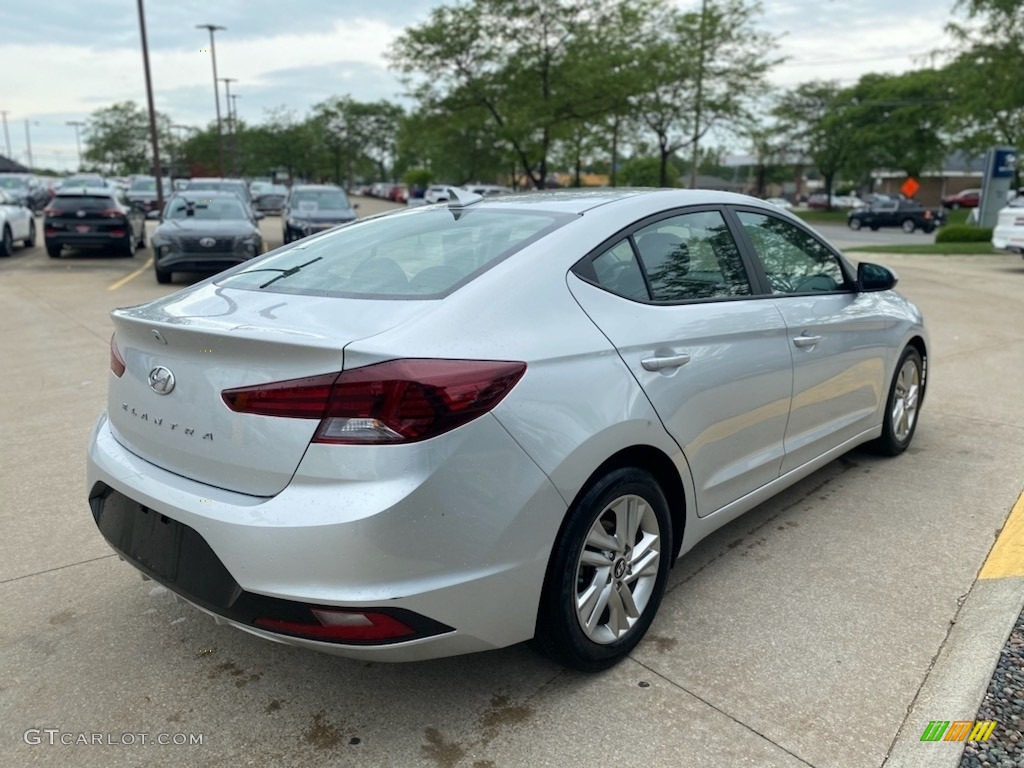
x,y
148,185
13,183
211,208
411,255
318,199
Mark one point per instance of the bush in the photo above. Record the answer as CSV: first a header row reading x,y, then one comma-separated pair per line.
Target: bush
x,y
963,233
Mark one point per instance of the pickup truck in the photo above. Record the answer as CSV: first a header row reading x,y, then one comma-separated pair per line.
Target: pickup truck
x,y
905,214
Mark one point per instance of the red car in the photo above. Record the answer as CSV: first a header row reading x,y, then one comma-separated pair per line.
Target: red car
x,y
968,198
398,193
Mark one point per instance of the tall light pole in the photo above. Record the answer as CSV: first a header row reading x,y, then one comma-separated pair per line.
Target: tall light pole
x,y
700,95
216,91
28,143
157,170
7,136
78,124
231,130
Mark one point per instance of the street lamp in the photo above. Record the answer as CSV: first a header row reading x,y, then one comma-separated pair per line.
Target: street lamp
x,y
7,136
78,124
216,92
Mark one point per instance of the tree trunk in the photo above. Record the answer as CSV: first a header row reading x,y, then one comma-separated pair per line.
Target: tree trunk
x,y
829,178
615,151
663,154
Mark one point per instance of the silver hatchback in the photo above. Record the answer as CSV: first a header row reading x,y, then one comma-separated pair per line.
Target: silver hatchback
x,y
462,426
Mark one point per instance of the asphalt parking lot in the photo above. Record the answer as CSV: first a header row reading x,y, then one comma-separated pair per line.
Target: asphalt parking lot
x,y
826,627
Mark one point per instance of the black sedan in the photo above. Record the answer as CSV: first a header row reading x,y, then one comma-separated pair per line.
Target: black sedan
x,y
204,232
93,217
312,208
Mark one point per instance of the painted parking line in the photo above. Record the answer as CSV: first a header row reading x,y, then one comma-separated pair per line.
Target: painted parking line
x,y
118,283
1007,555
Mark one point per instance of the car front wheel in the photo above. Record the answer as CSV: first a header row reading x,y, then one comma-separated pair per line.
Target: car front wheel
x,y
163,276
902,406
607,572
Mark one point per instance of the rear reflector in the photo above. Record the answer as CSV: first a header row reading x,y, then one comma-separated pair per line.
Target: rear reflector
x,y
398,401
341,626
116,361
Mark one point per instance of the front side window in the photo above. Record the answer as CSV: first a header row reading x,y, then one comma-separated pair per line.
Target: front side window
x,y
794,260
691,256
409,255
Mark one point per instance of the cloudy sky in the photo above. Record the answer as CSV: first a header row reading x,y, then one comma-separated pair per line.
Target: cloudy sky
x,y
65,58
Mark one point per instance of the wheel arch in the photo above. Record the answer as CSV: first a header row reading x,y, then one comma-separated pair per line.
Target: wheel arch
x,y
918,343
665,472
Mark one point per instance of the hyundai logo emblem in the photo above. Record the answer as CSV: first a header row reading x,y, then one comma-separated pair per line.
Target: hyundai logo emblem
x,y
161,380
207,242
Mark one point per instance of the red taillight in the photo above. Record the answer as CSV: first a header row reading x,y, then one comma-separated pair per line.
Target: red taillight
x,y
116,361
399,401
116,233
340,626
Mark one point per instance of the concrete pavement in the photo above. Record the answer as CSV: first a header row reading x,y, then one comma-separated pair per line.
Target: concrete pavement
x,y
824,628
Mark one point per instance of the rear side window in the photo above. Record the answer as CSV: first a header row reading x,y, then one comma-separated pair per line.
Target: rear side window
x,y
424,253
691,256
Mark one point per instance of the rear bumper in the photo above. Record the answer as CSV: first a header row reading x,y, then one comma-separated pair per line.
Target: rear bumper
x,y
86,240
459,538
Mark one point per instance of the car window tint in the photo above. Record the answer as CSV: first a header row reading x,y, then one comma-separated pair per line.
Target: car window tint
x,y
692,256
81,203
794,260
414,255
617,270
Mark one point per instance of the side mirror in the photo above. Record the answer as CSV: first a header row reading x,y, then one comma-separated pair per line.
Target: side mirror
x,y
355,206
875,277
154,214
259,215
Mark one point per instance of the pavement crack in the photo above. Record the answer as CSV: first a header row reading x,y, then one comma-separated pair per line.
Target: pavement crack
x,y
58,568
736,720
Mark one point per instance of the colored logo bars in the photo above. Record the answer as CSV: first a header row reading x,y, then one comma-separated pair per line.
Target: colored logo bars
x,y
958,730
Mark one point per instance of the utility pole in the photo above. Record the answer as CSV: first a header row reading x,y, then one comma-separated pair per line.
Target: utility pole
x,y
7,136
700,96
216,91
227,102
177,145
157,170
78,124
234,135
28,144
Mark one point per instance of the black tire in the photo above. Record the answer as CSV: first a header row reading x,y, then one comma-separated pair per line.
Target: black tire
x,y
30,241
908,226
6,243
141,242
928,228
896,436
285,238
126,247
874,227
163,276
855,224
954,206
560,633
53,250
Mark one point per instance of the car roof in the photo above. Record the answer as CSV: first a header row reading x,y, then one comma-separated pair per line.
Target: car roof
x,y
313,187
215,178
578,201
213,194
85,190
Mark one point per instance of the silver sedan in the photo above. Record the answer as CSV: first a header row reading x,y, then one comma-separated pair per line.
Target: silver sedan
x,y
466,425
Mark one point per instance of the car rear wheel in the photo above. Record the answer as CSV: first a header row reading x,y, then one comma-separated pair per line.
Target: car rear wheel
x,y
53,250
30,241
607,572
855,224
6,243
127,246
902,406
908,225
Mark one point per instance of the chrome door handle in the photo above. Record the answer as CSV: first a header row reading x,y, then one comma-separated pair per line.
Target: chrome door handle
x,y
806,341
661,363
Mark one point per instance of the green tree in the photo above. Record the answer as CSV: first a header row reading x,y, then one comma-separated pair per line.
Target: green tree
x,y
817,118
701,69
117,138
513,60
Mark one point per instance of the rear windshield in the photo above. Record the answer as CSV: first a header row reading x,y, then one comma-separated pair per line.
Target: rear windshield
x,y
419,254
82,202
84,181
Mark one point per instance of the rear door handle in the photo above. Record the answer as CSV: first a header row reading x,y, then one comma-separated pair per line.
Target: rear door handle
x,y
806,341
661,363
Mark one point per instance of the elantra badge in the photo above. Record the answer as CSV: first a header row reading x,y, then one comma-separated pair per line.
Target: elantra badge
x,y
161,380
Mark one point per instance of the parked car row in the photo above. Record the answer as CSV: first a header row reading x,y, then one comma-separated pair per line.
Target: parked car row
x,y
908,215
